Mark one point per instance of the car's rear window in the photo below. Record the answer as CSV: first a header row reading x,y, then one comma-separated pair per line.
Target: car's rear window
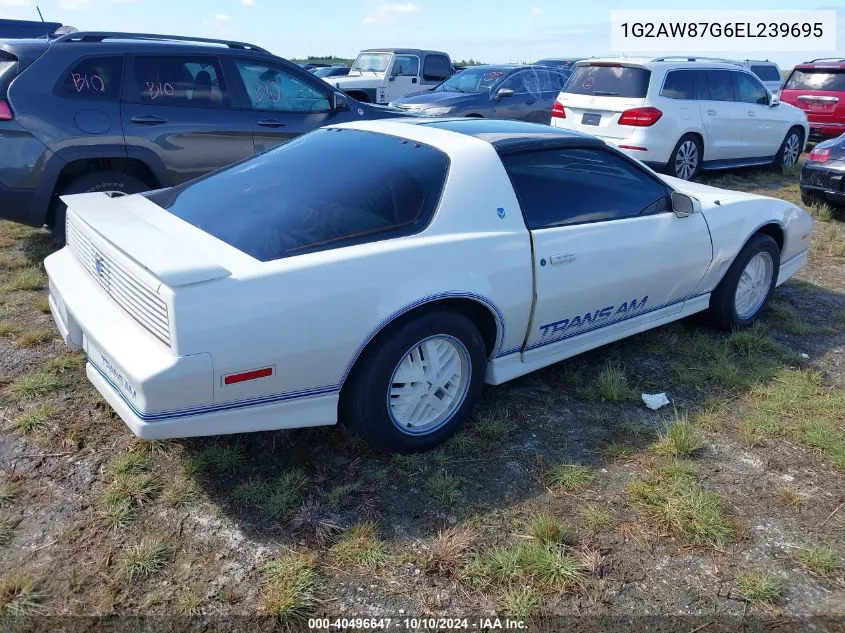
x,y
832,79
609,81
327,189
766,72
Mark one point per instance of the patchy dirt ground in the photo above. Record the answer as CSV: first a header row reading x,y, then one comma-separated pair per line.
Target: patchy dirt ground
x,y
564,497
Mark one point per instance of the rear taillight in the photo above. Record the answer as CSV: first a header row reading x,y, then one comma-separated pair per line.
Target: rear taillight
x,y
820,155
640,117
5,111
557,111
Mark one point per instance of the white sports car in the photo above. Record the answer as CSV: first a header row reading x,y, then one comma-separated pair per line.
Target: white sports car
x,y
381,272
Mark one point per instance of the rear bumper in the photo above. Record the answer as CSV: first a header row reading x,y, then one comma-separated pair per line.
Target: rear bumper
x,y
820,130
644,144
157,394
826,180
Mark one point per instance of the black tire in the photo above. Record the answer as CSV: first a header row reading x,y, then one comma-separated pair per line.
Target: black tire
x,y
364,402
90,183
785,158
675,165
723,312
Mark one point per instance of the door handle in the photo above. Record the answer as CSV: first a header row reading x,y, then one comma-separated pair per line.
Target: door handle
x,y
712,112
148,119
271,123
750,113
563,258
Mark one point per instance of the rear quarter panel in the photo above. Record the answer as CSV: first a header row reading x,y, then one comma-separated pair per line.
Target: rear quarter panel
x,y
310,316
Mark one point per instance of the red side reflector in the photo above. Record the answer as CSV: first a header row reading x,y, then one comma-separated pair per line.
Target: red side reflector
x,y
820,155
557,111
640,117
639,149
232,379
5,111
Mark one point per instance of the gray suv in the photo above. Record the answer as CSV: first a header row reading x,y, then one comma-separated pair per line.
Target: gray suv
x,y
126,113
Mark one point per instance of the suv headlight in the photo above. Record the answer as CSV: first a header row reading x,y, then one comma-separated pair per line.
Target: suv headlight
x,y
436,111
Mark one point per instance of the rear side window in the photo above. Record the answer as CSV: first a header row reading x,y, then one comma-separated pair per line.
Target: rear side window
x,y
180,80
721,85
817,79
575,186
766,72
93,78
609,81
679,84
285,202
436,68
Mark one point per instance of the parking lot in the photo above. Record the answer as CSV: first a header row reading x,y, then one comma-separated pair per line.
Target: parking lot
x,y
729,502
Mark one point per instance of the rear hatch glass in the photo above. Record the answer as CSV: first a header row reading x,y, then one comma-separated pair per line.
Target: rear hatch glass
x,y
597,94
820,92
766,73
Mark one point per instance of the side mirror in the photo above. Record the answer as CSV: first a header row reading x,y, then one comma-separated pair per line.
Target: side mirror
x,y
774,100
684,205
339,102
503,92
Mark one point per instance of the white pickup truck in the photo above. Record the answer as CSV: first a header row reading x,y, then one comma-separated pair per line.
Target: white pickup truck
x,y
380,75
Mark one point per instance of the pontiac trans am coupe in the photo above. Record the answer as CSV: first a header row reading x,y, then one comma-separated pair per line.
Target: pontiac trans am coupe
x,y
435,256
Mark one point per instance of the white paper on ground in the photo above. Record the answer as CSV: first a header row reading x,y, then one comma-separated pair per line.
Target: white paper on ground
x,y
655,400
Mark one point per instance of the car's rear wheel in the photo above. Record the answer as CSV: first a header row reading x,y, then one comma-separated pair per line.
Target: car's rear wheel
x,y
748,285
416,383
790,150
105,181
685,160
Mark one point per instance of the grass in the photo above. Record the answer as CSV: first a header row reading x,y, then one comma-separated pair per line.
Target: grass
x,y
126,495
7,531
792,498
27,279
756,429
443,486
145,558
548,567
42,304
784,318
360,545
448,549
12,261
286,494
820,560
9,491
182,492
494,425
612,383
596,518
129,464
64,363
218,459
673,500
290,583
521,603
570,476
548,530
20,598
31,338
36,384
252,493
681,439
8,329
617,450
759,587
33,419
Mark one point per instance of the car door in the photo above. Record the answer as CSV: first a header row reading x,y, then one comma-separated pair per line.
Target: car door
x,y
521,104
606,246
282,101
179,108
436,68
404,76
763,131
722,115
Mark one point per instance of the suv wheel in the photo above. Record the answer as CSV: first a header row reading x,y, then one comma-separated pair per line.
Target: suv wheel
x,y
107,181
685,161
790,150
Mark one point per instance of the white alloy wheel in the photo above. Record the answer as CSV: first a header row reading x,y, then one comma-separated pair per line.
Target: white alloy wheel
x,y
791,149
753,286
429,385
686,160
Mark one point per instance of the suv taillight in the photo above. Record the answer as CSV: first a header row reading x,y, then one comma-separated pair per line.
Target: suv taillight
x,y
5,111
640,117
820,155
557,111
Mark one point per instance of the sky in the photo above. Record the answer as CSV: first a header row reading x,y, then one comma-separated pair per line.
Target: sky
x,y
494,32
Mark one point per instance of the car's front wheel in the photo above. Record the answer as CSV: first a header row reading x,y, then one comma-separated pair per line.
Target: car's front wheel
x,y
748,285
416,383
685,161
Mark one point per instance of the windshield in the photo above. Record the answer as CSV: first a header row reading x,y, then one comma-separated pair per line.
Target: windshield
x,y
821,79
609,81
371,62
284,202
472,80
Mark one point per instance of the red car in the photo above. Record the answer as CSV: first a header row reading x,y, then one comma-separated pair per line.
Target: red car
x,y
818,88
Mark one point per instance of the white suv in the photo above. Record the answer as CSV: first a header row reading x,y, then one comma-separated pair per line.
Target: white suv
x,y
682,114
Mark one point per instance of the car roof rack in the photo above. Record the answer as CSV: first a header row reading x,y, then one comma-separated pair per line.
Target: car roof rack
x,y
695,58
99,36
826,59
